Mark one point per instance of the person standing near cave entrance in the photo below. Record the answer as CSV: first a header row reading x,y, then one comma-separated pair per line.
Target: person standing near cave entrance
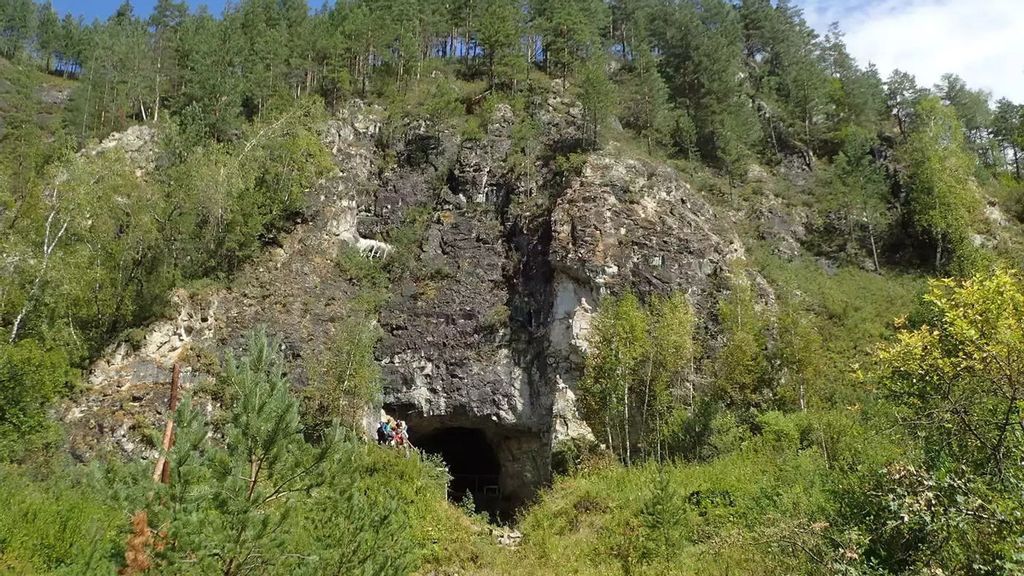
x,y
402,436
385,434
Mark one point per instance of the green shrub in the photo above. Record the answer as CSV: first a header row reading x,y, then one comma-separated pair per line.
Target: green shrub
x,y
496,319
31,377
754,511
850,309
706,433
473,129
254,496
345,380
778,432
57,526
370,277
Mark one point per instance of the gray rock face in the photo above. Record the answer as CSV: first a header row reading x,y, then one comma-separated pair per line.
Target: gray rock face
x,y
624,224
457,352
294,290
138,143
627,223
487,327
129,388
782,227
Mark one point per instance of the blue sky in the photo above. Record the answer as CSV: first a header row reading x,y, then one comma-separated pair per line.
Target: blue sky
x,y
976,39
102,8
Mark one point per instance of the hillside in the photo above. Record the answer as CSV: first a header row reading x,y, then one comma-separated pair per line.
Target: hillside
x,y
26,92
684,290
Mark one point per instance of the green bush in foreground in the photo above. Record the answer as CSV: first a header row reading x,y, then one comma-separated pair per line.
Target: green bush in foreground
x,y
954,384
253,497
30,378
760,509
58,525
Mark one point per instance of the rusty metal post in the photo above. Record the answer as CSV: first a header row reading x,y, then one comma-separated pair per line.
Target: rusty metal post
x,y
162,471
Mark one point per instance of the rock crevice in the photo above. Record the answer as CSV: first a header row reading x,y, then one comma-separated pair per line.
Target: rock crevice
x,y
487,327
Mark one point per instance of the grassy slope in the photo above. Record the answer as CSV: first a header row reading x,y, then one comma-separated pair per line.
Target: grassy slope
x,y
762,509
23,87
595,524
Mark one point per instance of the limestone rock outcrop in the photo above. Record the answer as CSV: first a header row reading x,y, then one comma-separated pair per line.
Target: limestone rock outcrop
x,y
624,224
137,143
128,387
491,303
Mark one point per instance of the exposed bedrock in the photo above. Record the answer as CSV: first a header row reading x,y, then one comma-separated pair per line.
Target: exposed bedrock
x,y
485,335
624,224
464,348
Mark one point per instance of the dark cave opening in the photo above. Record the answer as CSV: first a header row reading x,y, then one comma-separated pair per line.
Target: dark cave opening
x,y
472,464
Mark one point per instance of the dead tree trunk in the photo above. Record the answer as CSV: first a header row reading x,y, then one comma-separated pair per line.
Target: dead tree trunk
x,y
162,471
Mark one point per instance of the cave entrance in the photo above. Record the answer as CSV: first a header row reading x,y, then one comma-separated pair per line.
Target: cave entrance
x,y
472,464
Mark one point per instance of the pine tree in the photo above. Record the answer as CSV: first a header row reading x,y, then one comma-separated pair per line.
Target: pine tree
x,y
71,47
857,96
499,35
571,32
210,97
645,106
47,33
902,95
790,86
662,514
597,97
972,109
227,505
1008,130
165,23
703,58
17,20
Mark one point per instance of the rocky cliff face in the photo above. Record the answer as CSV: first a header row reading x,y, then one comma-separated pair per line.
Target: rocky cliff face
x,y
625,224
294,290
486,332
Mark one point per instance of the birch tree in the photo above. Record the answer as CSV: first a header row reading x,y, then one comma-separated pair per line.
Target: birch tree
x,y
54,228
939,179
617,363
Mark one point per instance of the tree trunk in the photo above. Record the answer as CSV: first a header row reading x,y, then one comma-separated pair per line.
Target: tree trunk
x,y
647,398
50,240
156,102
658,437
162,471
625,421
690,392
103,111
85,116
608,428
938,253
874,249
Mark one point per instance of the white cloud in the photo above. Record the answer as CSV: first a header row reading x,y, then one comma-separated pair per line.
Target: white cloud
x,y
977,39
